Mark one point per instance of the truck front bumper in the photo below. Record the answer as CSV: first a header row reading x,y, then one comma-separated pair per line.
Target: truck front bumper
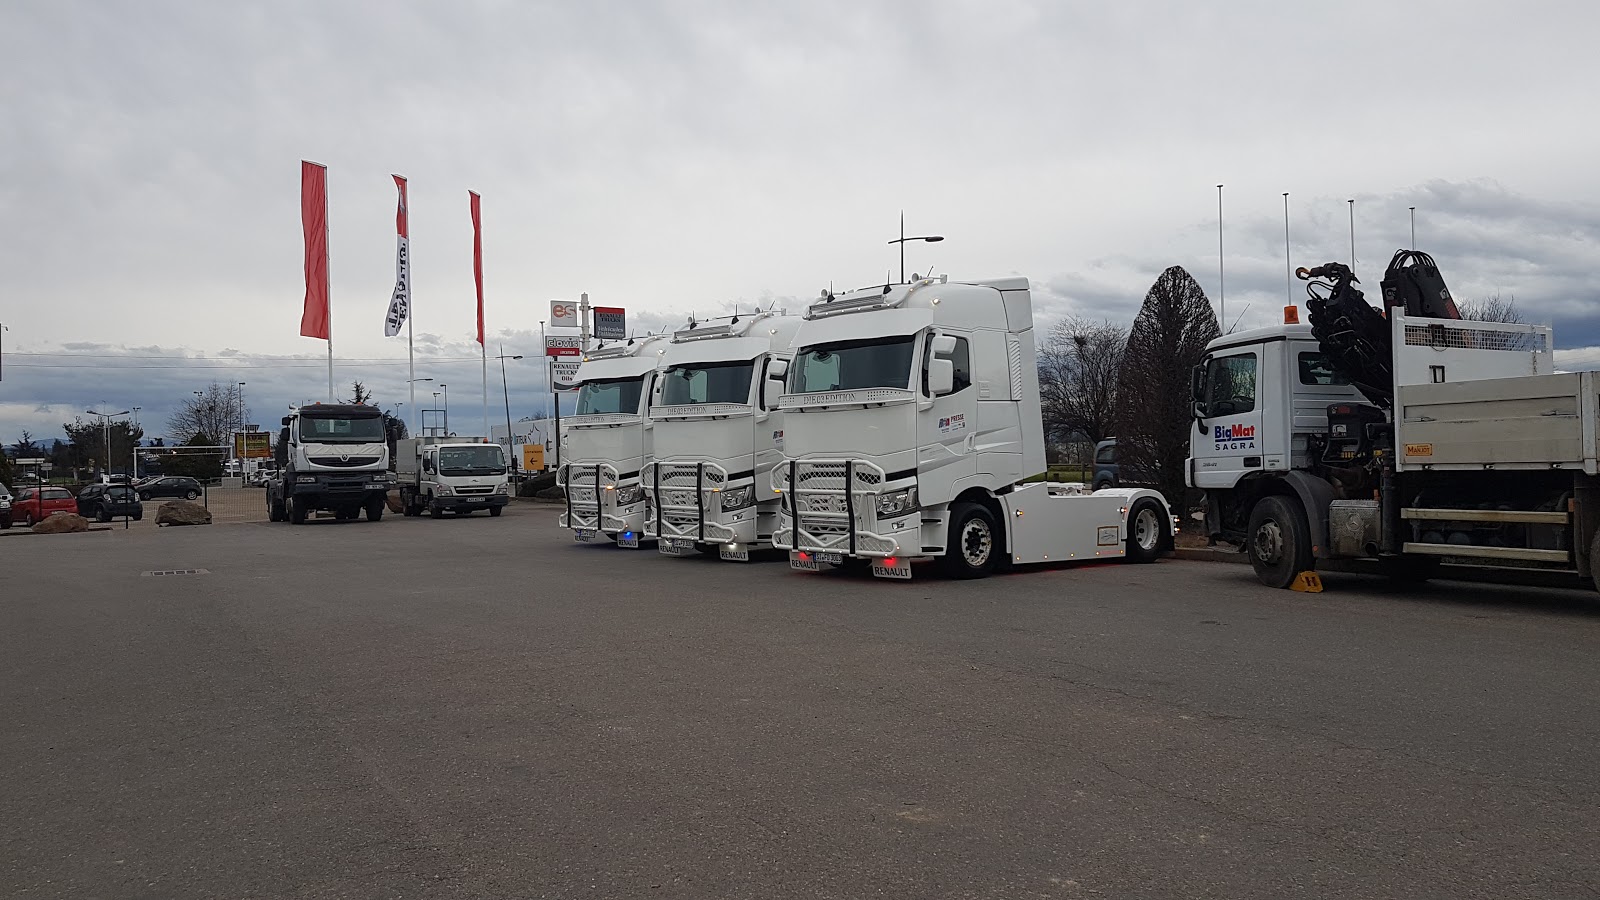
x,y
479,501
331,485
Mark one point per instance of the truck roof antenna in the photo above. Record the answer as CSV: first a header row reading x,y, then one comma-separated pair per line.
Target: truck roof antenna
x,y
1238,320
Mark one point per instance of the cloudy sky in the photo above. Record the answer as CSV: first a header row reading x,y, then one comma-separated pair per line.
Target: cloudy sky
x,y
682,157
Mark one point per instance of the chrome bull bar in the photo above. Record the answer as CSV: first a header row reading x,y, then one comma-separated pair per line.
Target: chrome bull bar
x,y
681,492
584,485
830,505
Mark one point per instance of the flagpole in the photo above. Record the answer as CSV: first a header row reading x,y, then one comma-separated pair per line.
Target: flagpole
x,y
485,351
327,263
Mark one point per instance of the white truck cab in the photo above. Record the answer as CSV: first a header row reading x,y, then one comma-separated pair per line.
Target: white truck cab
x,y
607,441
451,474
718,434
912,418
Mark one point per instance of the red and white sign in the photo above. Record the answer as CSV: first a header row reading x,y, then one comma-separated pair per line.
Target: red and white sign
x,y
564,314
566,372
610,323
557,345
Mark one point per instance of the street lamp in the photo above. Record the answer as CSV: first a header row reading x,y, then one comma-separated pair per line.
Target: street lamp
x,y
105,419
411,385
446,389
242,449
135,444
511,443
901,240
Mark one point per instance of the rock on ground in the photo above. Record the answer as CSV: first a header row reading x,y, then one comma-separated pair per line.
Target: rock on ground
x,y
182,512
552,493
61,523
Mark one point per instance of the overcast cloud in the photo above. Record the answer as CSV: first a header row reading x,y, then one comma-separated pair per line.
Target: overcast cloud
x,y
690,156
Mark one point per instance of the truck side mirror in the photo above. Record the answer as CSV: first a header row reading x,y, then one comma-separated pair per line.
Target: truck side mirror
x,y
941,377
280,454
942,345
1197,382
285,421
778,369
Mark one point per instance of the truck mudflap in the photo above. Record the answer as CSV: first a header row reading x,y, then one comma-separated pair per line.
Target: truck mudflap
x,y
830,509
685,497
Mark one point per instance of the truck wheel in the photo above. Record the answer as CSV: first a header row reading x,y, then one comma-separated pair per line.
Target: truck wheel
x,y
494,512
434,512
297,511
1594,559
1146,532
274,510
374,510
974,543
1279,541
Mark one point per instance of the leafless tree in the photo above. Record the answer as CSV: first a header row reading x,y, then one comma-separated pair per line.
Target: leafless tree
x,y
1167,340
360,393
1493,308
215,412
1079,366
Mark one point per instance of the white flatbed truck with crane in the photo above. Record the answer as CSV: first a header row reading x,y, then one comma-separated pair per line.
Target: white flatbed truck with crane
x,y
912,418
1397,441
718,434
607,441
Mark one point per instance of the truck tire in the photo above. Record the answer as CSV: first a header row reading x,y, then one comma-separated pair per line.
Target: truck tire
x,y
297,511
1146,532
494,511
1594,560
434,512
1279,541
274,510
374,509
974,542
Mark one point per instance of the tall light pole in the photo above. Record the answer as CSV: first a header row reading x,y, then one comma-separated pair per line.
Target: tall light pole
x,y
412,383
135,444
446,389
105,419
435,407
901,240
244,448
511,443
3,330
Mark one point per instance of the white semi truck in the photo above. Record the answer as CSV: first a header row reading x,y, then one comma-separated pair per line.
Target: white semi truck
x,y
607,441
718,433
331,457
455,475
912,416
1398,440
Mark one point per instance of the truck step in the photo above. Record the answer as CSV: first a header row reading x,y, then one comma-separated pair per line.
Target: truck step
x,y
1467,550
1485,515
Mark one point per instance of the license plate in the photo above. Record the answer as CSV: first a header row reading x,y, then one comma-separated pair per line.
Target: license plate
x,y
832,559
582,535
803,562
675,546
901,570
629,540
738,554
474,499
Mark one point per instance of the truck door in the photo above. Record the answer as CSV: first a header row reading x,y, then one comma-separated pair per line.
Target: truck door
x,y
1228,444
947,429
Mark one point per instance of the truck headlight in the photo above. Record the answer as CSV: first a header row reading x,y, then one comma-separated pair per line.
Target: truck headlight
x,y
443,489
502,489
898,502
738,498
628,495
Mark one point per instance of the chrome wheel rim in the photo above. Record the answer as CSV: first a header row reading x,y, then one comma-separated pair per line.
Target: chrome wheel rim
x,y
1268,542
977,542
1146,529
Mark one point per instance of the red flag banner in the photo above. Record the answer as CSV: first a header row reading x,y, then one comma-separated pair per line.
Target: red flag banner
x,y
477,258
314,320
400,300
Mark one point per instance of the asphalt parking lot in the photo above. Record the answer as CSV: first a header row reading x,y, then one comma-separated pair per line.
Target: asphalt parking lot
x,y
478,708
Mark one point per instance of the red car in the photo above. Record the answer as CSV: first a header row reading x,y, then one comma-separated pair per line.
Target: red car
x,y
25,507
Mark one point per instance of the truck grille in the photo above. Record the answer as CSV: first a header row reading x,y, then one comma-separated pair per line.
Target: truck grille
x,y
344,462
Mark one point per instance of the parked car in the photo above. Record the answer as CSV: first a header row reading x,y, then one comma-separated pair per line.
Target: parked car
x,y
170,486
1109,472
34,504
105,502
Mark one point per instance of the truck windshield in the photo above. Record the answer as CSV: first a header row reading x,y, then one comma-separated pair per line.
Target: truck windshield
x,y
850,365
721,382
484,459
341,431
616,395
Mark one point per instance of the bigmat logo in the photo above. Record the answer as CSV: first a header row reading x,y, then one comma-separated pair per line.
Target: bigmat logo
x,y
1235,437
